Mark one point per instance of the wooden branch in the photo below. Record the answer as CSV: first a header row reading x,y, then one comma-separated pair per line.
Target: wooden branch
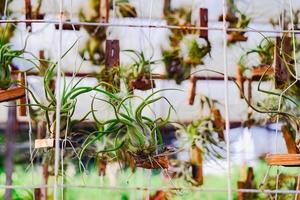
x,y
112,53
282,51
247,184
12,94
288,160
203,22
68,27
197,165
240,79
192,93
167,6
289,141
104,11
28,14
258,71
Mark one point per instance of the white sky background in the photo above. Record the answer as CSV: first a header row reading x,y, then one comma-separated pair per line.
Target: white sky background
x,y
46,37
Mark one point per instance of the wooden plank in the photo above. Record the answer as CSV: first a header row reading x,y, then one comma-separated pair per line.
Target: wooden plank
x,y
104,11
193,87
260,70
289,140
167,6
68,27
28,14
197,165
203,22
291,160
240,79
112,53
12,94
282,51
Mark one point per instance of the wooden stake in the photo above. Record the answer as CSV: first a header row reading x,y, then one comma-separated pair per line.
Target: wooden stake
x,y
167,6
240,80
112,53
197,165
218,122
28,14
289,141
203,22
104,11
281,53
193,87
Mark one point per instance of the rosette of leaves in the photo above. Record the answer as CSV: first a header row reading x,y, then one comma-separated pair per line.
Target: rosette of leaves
x,y
125,9
238,20
94,47
110,78
265,52
179,17
130,135
189,54
7,54
140,70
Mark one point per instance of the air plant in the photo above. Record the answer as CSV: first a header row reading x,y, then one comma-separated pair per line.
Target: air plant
x,y
110,78
203,136
94,47
179,17
237,20
265,52
190,53
125,9
7,54
130,135
139,73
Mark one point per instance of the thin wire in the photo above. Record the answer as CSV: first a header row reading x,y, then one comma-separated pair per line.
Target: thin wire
x,y
226,91
147,26
5,9
58,104
120,188
29,128
294,40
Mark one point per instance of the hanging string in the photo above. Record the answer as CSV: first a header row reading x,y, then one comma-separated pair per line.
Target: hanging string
x,y
58,103
226,91
294,41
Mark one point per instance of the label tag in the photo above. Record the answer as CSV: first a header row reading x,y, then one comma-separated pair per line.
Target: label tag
x,y
43,143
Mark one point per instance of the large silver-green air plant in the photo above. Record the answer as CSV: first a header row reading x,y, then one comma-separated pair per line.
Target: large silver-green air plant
x,y
7,54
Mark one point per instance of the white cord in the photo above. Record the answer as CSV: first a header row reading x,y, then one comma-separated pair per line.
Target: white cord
x,y
58,104
226,91
294,41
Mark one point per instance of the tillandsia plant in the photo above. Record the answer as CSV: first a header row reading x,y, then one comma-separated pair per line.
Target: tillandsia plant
x,y
180,60
238,20
287,20
110,78
179,17
130,136
186,49
7,54
139,73
125,9
94,47
265,52
203,136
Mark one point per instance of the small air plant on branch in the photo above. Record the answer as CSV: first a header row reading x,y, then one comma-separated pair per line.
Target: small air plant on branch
x,y
139,73
130,136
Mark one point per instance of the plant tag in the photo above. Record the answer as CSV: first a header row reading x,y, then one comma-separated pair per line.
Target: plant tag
x,y
43,143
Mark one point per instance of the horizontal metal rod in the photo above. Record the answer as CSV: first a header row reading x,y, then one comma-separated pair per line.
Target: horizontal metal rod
x,y
119,188
147,26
